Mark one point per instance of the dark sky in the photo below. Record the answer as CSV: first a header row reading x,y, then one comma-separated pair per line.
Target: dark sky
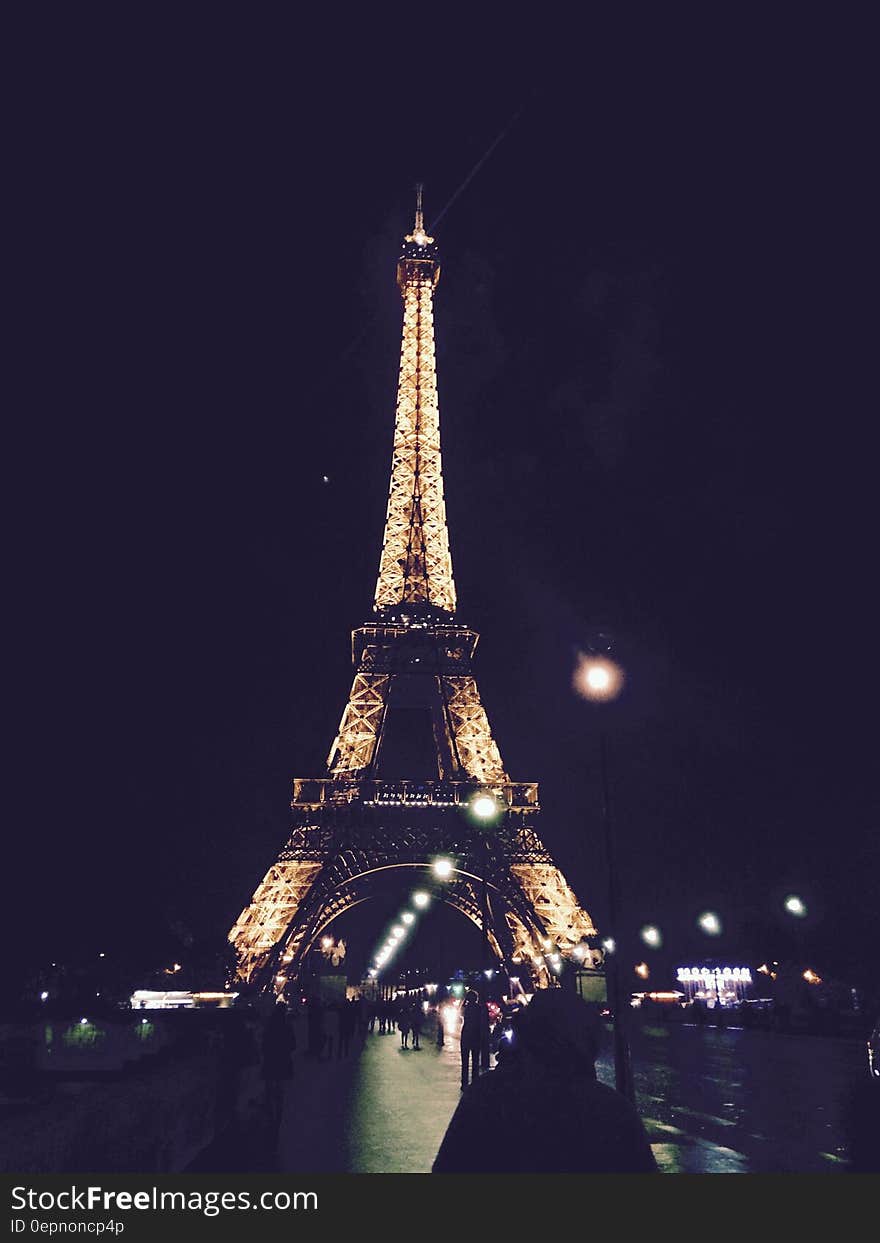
x,y
652,312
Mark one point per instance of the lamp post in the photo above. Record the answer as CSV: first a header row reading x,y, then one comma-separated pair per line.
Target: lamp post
x,y
486,811
599,679
796,908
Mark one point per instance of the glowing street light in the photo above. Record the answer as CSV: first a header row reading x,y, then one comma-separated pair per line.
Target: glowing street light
x,y
484,807
643,970
407,917
710,923
443,868
795,906
652,936
421,899
598,678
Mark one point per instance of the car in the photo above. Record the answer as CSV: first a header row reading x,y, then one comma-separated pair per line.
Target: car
x,y
874,1051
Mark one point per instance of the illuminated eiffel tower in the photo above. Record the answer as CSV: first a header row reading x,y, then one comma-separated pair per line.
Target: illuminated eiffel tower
x,y
361,825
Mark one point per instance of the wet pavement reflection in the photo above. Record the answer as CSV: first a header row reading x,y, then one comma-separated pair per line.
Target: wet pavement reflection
x,y
712,1100
734,1101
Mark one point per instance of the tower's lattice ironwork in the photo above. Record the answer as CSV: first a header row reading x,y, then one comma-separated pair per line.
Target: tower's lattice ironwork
x,y
357,825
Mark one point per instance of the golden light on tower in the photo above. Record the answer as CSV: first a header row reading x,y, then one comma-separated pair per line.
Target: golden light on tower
x,y
413,648
415,567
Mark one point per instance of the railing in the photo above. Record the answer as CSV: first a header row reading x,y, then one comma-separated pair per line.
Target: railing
x,y
317,792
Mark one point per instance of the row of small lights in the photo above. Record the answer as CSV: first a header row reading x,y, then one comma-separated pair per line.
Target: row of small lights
x,y
420,900
484,807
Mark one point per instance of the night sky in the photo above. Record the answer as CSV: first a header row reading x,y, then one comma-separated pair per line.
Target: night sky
x,y
650,320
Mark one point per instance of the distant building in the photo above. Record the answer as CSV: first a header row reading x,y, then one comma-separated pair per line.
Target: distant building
x,y
165,999
714,984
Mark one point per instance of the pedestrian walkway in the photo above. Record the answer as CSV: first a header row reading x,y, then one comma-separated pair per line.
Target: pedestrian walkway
x,y
383,1110
711,1102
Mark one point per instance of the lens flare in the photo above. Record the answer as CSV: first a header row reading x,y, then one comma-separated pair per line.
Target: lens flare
x,y
598,678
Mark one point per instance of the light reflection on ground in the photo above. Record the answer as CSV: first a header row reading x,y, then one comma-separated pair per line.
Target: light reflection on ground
x,y
730,1100
713,1101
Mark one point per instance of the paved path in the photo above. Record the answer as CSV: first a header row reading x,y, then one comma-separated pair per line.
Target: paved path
x,y
387,1109
736,1101
712,1102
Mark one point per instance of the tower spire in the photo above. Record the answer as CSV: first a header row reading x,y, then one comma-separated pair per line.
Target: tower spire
x,y
415,566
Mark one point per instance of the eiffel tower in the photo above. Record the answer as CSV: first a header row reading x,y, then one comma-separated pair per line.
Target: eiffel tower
x,y
360,826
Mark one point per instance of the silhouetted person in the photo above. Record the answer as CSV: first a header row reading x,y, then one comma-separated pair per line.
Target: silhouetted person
x,y
441,1025
347,1024
471,1036
404,1022
278,1044
418,1019
315,1027
237,1050
332,1039
359,1010
543,1110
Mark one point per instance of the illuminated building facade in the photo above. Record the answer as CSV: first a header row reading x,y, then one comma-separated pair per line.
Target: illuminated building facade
x,y
729,985
413,659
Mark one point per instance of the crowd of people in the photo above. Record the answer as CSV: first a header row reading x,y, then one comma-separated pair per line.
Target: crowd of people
x,y
544,1081
402,1014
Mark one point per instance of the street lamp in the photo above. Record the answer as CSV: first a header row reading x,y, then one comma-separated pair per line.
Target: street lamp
x,y
796,907
710,923
484,808
599,679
